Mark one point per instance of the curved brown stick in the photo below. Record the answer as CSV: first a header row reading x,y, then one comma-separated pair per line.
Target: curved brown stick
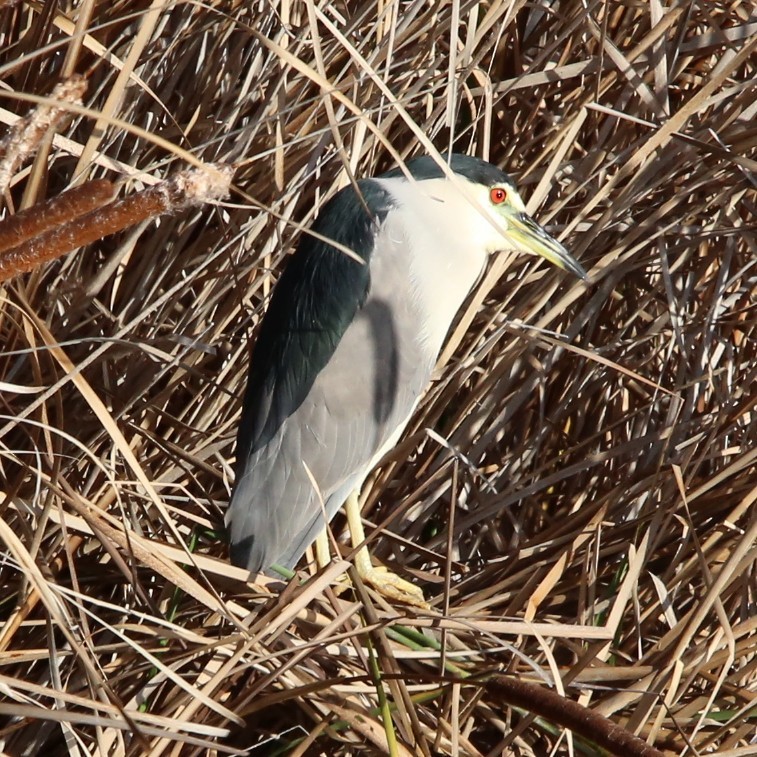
x,y
565,712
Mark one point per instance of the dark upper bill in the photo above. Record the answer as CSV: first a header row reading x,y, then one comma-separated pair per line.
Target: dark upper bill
x,y
532,237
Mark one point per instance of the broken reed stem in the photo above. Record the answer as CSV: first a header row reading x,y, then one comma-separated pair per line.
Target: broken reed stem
x,y
56,211
25,135
188,187
548,704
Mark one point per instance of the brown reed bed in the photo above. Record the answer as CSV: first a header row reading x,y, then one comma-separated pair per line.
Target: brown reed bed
x,y
576,493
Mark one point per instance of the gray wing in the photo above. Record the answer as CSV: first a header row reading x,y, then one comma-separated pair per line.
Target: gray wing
x,y
312,433
325,449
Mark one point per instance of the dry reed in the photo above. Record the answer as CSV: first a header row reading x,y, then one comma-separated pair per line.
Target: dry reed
x,y
576,492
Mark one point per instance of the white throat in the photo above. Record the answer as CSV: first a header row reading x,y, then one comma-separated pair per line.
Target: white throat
x,y
444,237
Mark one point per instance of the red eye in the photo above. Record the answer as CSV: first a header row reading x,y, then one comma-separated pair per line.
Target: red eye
x,y
497,195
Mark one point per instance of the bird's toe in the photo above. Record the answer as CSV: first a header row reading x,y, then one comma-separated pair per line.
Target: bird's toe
x,y
391,586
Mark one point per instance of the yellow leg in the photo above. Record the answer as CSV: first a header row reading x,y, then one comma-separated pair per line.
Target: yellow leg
x,y
380,578
322,555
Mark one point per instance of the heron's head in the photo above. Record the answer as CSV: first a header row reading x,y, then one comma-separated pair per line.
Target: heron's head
x,y
487,206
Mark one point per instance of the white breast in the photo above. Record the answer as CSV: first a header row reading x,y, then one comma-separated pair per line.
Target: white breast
x,y
443,236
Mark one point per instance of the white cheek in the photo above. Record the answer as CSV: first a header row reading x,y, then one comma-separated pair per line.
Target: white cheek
x,y
494,231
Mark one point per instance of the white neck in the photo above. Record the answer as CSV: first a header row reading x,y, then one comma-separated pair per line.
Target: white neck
x,y
445,240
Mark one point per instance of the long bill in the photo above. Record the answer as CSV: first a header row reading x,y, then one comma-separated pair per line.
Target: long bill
x,y
530,237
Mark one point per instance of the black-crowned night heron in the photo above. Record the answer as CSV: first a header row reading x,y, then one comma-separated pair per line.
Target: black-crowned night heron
x,y
348,345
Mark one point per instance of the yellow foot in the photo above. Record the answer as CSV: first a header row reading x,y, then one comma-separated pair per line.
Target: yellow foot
x,y
382,579
391,586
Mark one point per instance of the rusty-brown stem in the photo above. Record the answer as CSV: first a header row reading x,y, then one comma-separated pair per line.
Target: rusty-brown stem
x,y
187,187
56,211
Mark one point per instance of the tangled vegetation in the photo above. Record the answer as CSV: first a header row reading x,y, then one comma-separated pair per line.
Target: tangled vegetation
x,y
576,493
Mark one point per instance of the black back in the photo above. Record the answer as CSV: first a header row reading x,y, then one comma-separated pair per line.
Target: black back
x,y
312,305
